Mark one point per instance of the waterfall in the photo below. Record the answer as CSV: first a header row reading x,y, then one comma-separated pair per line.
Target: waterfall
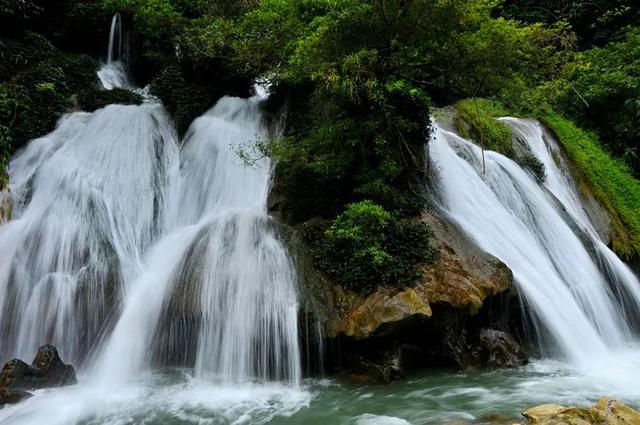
x,y
127,248
560,183
576,314
89,199
116,40
113,73
223,263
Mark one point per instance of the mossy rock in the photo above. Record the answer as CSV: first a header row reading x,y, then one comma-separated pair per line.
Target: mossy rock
x,y
476,119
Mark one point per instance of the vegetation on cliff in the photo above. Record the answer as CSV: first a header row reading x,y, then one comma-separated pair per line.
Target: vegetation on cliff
x,y
354,82
609,179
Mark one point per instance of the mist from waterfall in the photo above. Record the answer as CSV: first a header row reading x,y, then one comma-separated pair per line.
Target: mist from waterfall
x,y
579,301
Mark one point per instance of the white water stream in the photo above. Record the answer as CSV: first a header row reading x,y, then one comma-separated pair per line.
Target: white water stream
x,y
577,316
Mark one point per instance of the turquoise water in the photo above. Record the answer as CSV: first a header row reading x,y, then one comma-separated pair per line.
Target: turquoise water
x,y
432,397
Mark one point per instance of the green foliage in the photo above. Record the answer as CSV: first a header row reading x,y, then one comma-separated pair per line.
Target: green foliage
x,y
595,21
609,179
183,100
476,119
366,246
96,98
604,95
32,101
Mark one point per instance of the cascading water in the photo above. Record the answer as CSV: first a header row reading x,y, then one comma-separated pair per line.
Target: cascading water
x,y
508,214
89,199
113,74
223,264
560,183
127,250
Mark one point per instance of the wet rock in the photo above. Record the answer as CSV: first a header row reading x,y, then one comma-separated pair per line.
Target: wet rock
x,y
442,314
47,370
18,375
9,396
53,372
380,308
491,348
384,369
501,349
606,412
6,206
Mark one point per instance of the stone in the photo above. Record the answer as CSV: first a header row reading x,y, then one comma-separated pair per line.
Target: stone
x,y
53,371
6,206
9,396
18,375
606,412
501,350
47,370
380,308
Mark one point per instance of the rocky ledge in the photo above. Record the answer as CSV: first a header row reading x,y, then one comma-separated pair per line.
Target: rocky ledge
x,y
47,370
606,412
458,314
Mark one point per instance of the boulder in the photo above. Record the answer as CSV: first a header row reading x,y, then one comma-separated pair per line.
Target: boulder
x,y
9,396
606,412
18,375
53,372
501,350
462,277
47,370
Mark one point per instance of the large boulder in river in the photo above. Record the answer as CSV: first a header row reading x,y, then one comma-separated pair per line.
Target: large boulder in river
x,y
47,370
606,412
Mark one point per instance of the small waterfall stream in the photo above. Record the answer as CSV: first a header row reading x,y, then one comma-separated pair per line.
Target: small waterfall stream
x,y
113,73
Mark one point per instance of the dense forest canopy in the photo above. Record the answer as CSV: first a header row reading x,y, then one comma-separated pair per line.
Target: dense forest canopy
x,y
356,82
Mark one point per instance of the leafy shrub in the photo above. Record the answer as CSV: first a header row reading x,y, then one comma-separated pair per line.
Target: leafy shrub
x,y
367,246
95,98
183,100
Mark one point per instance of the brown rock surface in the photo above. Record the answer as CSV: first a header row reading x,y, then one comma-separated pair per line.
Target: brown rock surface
x,y
606,412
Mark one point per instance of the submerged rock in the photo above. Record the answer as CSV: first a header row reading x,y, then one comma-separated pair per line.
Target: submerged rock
x,y
47,370
606,412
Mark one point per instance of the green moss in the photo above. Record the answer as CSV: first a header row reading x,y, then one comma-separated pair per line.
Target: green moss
x,y
609,179
534,165
477,120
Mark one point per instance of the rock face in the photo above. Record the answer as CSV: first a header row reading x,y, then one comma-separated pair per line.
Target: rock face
x,y
458,314
606,412
501,350
47,370
5,206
